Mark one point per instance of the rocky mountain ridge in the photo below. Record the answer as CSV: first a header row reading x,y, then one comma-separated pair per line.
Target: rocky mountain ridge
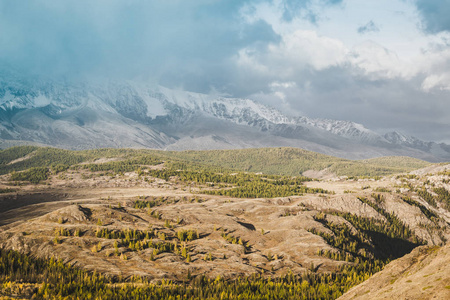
x,y
80,115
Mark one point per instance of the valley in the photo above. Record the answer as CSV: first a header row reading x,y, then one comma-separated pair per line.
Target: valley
x,y
207,225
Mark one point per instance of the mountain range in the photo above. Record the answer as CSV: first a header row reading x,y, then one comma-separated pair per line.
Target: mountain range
x,y
83,115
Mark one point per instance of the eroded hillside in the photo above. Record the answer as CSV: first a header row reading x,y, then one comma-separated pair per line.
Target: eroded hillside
x,y
157,219
422,274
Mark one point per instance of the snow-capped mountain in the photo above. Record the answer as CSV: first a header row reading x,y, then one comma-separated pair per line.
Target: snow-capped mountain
x,y
132,114
410,141
346,129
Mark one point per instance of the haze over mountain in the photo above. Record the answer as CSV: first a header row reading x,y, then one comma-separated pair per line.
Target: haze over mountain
x,y
81,115
383,64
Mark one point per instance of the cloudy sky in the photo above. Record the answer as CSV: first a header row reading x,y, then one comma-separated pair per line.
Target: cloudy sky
x,y
382,63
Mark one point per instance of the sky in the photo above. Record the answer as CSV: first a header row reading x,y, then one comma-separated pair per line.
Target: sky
x,y
382,63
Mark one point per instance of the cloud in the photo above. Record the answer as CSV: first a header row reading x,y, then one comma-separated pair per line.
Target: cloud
x,y
306,9
369,27
375,62
434,66
435,15
127,38
302,56
441,81
299,50
318,76
192,44
382,105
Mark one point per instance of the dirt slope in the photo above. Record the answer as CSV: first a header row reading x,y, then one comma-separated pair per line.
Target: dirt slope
x,y
422,274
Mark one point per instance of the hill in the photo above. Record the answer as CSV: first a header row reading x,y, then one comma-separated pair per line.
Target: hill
x,y
274,161
294,161
422,274
112,223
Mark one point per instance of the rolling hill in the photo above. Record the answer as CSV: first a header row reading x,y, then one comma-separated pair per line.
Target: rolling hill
x,y
276,161
112,223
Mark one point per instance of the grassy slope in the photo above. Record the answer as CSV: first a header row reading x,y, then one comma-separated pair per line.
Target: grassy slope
x,y
46,157
277,161
397,161
293,161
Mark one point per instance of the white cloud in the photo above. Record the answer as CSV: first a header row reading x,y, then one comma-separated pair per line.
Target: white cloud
x,y
285,85
305,47
434,64
398,79
250,49
377,62
441,82
299,50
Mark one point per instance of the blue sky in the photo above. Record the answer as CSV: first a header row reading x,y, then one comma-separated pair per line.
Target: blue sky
x,y
385,64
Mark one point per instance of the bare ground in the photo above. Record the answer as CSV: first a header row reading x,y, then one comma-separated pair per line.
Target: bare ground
x,y
422,274
274,230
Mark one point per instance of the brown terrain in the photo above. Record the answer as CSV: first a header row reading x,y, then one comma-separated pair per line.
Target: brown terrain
x,y
271,236
422,274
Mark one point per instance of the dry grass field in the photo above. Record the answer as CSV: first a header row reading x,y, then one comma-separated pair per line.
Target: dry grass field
x,y
131,224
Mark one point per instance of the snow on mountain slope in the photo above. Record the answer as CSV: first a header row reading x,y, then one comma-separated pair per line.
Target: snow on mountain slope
x,y
136,114
346,129
248,112
239,111
244,111
401,139
143,102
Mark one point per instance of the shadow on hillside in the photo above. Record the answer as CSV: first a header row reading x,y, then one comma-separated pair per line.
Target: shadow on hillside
x,y
247,225
387,247
8,202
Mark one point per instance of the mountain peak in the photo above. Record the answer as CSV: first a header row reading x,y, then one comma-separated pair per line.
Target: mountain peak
x,y
136,114
400,138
